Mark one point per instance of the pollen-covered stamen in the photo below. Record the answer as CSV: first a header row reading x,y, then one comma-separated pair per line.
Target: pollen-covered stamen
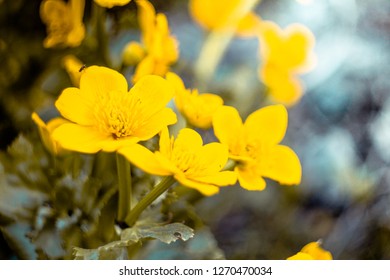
x,y
189,162
115,114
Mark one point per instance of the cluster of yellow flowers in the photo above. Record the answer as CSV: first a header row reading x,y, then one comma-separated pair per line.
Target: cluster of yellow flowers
x,y
101,113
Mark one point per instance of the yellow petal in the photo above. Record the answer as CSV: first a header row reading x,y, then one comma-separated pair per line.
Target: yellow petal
x,y
300,42
52,9
316,252
301,256
45,132
155,124
175,81
73,65
79,138
146,19
283,87
213,157
112,145
165,143
188,140
111,3
228,128
199,109
268,124
74,107
282,165
249,26
220,14
249,179
99,81
204,188
144,159
145,67
223,178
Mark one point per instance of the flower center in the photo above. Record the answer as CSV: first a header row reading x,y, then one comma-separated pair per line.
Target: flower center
x,y
114,114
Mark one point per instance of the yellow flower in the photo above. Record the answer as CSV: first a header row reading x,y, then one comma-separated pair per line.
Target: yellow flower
x,y
160,48
45,131
285,54
104,115
312,251
255,146
111,3
226,15
64,22
198,109
73,66
191,163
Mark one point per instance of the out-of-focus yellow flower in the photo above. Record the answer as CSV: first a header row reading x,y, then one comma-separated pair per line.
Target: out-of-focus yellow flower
x,y
64,22
190,162
74,67
198,109
226,15
285,54
45,131
312,251
160,47
111,3
255,146
104,115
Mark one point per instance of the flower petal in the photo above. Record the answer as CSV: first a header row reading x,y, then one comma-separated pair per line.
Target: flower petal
x,y
204,188
165,143
283,86
300,256
145,67
249,26
268,124
74,107
316,252
146,19
111,3
282,165
223,178
228,128
249,180
187,140
79,138
155,124
99,81
151,94
112,145
212,157
144,159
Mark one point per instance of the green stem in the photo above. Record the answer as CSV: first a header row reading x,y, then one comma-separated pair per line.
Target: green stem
x,y
159,189
124,186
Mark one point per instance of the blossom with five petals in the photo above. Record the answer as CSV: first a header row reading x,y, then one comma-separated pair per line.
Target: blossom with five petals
x,y
160,47
226,15
103,115
64,22
312,251
198,109
285,54
254,145
191,163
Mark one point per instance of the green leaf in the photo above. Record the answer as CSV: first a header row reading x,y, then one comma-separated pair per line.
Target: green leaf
x,y
118,249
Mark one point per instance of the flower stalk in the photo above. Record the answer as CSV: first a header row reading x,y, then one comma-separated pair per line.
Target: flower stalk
x,y
124,186
148,199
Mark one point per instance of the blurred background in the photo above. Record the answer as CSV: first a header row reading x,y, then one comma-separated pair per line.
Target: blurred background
x,y
340,129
